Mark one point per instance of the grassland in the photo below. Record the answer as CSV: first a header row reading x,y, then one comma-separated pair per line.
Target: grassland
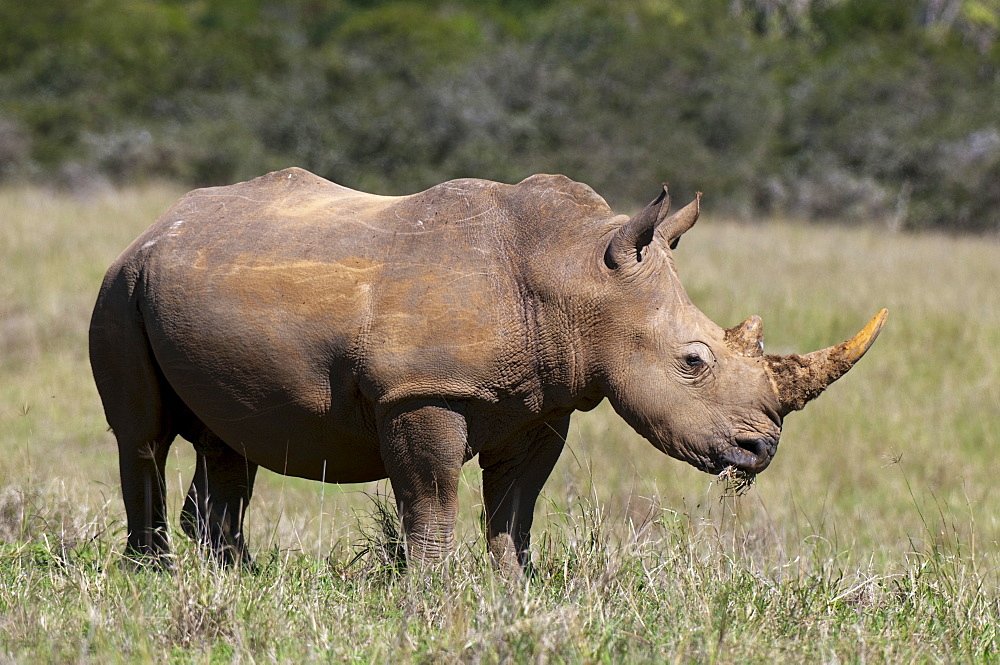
x,y
874,535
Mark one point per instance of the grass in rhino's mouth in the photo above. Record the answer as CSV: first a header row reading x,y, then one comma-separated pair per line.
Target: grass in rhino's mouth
x,y
738,482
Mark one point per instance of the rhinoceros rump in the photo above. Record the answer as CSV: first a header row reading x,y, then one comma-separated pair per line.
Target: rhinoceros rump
x,y
330,334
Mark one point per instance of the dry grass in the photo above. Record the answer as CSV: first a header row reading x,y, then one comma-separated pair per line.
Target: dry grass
x,y
736,482
872,536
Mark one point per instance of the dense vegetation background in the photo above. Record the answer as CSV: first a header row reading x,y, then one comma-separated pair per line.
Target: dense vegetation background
x,y
866,110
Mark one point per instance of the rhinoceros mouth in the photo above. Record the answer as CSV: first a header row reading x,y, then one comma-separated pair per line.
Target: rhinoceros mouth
x,y
749,453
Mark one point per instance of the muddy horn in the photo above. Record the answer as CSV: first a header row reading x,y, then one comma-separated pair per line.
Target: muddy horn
x,y
799,379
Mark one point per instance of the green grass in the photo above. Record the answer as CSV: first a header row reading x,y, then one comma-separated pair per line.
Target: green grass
x,y
873,536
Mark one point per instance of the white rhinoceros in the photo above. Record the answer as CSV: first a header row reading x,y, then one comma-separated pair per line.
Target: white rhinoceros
x,y
330,334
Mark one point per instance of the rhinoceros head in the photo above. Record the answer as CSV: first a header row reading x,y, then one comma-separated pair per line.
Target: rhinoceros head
x,y
703,394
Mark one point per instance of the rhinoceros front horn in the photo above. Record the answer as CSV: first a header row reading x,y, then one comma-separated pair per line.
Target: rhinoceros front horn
x,y
799,379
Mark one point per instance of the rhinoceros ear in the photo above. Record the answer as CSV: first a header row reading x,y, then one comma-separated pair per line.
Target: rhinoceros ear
x,y
678,223
636,234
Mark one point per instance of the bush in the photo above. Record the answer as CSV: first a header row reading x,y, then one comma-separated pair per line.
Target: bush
x,y
873,111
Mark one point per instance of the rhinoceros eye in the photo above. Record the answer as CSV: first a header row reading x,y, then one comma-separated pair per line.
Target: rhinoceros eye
x,y
694,361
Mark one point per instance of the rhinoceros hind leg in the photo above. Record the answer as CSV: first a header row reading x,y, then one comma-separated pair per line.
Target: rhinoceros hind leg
x,y
511,485
135,398
142,461
217,500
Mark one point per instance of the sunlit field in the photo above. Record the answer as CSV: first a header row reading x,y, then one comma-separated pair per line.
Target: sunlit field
x,y
873,535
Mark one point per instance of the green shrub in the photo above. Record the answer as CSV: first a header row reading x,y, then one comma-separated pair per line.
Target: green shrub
x,y
867,110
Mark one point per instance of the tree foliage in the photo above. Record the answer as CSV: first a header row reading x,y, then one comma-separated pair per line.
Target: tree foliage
x,y
871,110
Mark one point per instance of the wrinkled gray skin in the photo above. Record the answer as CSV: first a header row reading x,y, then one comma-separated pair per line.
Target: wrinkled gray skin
x,y
325,333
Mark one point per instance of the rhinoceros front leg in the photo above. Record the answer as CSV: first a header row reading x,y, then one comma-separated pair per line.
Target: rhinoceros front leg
x,y
512,479
423,447
217,499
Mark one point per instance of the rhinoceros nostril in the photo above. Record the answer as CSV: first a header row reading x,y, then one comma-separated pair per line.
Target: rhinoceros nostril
x,y
759,446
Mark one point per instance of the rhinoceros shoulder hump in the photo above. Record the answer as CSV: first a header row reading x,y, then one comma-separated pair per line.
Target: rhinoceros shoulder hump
x,y
554,201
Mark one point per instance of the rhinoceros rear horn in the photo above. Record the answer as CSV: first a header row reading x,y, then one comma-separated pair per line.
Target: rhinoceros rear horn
x,y
747,339
799,379
636,234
